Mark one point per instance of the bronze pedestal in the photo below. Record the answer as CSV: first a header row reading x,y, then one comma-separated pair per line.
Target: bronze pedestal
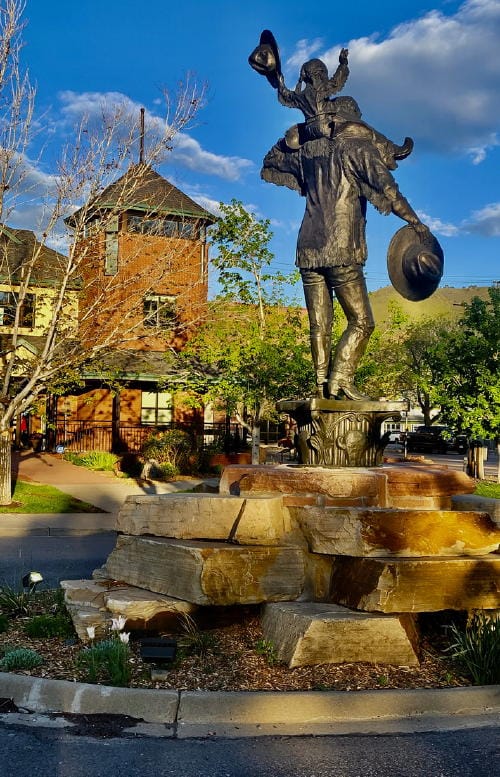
x,y
341,433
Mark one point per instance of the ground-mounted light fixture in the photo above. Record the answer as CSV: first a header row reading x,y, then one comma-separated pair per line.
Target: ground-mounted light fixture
x,y
31,580
158,650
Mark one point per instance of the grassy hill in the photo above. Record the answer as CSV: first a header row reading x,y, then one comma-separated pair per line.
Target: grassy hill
x,y
447,300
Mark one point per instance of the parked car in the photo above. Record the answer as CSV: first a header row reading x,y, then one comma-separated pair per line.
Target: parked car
x,y
429,439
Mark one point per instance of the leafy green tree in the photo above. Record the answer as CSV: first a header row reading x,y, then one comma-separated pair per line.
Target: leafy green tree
x,y
408,359
254,348
469,390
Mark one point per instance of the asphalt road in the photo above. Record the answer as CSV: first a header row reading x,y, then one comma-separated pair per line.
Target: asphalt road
x,y
454,461
41,752
56,558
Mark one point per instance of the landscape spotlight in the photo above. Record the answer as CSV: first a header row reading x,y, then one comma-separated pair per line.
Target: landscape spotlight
x,y
31,580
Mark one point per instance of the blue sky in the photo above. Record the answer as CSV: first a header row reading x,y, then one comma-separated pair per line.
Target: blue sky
x,y
430,70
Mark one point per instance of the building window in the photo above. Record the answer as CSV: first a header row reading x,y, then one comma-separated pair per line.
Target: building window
x,y
111,246
156,408
164,227
159,311
8,305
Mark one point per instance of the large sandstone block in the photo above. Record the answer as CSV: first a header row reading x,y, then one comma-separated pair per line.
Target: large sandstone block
x,y
89,617
361,486
309,633
476,502
85,593
351,531
256,520
208,573
425,486
416,585
145,609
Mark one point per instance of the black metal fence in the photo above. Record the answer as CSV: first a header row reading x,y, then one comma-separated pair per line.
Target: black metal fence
x,y
83,436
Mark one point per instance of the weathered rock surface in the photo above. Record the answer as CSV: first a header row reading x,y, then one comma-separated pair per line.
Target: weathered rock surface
x,y
379,532
85,617
476,502
256,520
309,633
416,585
84,593
350,486
145,609
424,486
207,572
408,485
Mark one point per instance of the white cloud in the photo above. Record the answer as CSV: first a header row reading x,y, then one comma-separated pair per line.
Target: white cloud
x,y
188,152
436,78
304,50
185,150
485,222
439,227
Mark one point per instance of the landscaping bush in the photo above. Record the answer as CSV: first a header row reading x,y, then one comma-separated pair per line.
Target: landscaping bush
x,y
20,658
477,648
47,626
106,662
193,640
4,623
95,460
172,447
14,602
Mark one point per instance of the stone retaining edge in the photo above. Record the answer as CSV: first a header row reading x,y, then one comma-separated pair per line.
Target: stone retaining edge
x,y
257,713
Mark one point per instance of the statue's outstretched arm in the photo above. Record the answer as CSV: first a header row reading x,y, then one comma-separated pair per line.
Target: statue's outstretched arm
x,y
339,78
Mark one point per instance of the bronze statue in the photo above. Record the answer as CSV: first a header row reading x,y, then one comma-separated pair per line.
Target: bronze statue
x,y
338,163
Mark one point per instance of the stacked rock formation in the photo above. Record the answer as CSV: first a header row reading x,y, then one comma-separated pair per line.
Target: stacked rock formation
x,y
341,560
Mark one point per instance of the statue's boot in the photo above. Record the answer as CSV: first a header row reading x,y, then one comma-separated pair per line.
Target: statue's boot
x,y
321,345
353,299
339,385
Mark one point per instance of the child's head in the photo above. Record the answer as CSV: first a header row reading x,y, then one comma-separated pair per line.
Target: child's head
x,y
314,70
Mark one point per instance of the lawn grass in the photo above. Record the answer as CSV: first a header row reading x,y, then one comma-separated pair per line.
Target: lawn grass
x,y
488,488
36,498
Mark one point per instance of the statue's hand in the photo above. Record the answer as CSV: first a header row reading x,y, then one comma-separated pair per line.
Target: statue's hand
x,y
422,231
343,56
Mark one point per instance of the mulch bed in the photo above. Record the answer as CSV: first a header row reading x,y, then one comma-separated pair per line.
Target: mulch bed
x,y
233,662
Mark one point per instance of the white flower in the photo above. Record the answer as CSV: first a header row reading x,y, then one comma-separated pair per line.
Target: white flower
x,y
117,624
124,637
91,632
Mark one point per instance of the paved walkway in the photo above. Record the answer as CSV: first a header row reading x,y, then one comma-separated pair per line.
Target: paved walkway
x,y
98,488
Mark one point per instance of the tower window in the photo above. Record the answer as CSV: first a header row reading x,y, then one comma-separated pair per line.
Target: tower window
x,y
159,311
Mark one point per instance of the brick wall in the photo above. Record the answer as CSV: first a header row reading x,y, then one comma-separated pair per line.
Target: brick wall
x,y
146,265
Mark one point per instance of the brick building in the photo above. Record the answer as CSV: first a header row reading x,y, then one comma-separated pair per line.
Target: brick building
x,y
141,291
143,249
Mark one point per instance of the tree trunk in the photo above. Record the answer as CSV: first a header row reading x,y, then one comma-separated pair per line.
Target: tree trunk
x,y
255,443
5,467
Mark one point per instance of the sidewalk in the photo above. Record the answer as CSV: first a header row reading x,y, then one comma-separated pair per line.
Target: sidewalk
x,y
101,489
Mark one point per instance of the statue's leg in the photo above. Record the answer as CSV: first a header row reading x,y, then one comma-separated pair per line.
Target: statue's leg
x,y
319,302
350,289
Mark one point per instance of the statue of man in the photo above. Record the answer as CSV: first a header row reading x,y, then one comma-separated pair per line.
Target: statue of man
x,y
337,173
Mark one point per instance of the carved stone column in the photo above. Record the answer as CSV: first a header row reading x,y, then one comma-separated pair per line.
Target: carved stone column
x,y
341,433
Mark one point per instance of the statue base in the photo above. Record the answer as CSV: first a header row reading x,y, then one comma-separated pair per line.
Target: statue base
x,y
341,433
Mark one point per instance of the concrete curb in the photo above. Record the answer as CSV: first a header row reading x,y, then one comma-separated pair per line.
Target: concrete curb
x,y
56,524
188,714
